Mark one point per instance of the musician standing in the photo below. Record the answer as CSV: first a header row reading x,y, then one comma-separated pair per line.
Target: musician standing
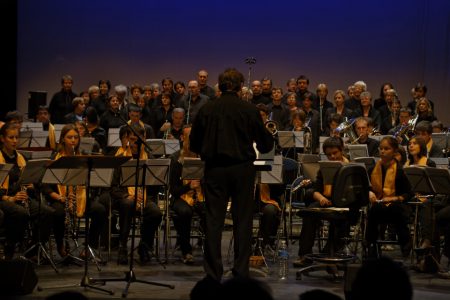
x,y
223,134
14,200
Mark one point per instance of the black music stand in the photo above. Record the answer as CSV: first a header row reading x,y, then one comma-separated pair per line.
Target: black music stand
x,y
156,173
87,163
420,184
32,174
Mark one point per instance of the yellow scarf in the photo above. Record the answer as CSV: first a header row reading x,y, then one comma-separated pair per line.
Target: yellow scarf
x,y
80,192
422,162
388,188
51,136
189,196
21,162
429,145
328,188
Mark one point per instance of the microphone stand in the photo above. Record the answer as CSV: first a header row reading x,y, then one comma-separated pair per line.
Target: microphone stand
x,y
130,276
249,61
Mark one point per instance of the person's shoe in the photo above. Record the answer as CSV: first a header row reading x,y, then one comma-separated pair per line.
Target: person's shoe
x,y
188,259
123,256
143,251
301,262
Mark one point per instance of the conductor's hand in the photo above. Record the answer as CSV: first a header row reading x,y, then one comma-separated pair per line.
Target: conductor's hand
x,y
194,184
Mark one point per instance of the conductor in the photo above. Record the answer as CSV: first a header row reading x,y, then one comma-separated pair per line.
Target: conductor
x,y
223,134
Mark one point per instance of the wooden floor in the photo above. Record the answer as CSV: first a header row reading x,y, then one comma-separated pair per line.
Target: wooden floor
x,y
183,278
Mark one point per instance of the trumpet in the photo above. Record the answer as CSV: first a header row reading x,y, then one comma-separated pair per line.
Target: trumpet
x,y
271,126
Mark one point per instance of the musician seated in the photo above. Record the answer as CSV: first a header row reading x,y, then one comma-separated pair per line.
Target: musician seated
x,y
362,130
425,130
69,202
43,116
402,132
123,199
187,199
319,196
19,205
269,207
388,197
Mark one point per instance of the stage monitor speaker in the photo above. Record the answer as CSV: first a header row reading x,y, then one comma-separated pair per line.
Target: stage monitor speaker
x,y
17,277
35,99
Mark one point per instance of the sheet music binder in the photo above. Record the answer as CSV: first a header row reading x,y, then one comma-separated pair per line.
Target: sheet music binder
x,y
329,170
163,146
87,144
298,137
58,128
440,179
275,176
440,139
286,139
419,180
359,150
24,138
114,138
37,153
157,172
32,126
72,170
33,171
193,168
4,171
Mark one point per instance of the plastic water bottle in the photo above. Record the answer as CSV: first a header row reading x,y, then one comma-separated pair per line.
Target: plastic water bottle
x,y
283,256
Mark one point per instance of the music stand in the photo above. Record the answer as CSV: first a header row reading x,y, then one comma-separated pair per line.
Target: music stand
x,y
137,173
25,137
86,163
359,150
114,137
163,147
32,174
4,171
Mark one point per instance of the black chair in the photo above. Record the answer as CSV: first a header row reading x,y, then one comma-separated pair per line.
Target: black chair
x,y
350,193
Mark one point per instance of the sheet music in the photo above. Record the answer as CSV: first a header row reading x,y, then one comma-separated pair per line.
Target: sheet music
x,y
286,139
114,138
329,170
193,168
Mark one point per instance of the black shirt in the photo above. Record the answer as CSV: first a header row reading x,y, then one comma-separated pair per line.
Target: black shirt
x,y
224,131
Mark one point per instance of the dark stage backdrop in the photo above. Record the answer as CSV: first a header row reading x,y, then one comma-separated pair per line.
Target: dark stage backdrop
x,y
336,42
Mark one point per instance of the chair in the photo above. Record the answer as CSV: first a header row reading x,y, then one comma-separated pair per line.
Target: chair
x,y
349,195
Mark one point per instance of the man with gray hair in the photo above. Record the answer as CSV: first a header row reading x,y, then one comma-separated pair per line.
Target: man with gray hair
x,y
192,102
354,102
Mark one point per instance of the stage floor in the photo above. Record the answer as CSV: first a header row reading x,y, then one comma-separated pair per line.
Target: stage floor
x,y
183,277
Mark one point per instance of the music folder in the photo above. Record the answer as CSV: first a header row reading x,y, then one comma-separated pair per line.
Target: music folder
x,y
4,171
274,176
34,171
286,139
114,137
359,150
156,172
193,168
163,146
329,170
87,144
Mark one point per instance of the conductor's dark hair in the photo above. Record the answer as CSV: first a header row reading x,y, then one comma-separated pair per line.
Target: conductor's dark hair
x,y
231,80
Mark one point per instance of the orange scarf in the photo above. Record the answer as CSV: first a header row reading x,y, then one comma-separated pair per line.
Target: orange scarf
x,y
388,188
429,145
264,193
189,196
422,162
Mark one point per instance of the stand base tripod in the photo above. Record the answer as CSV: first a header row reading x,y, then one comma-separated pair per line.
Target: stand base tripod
x,y
130,277
86,282
41,251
